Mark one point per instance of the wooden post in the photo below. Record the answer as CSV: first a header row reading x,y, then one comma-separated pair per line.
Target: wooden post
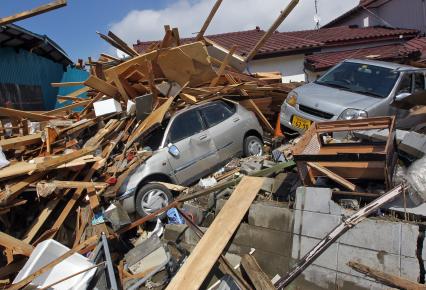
x,y
208,20
272,29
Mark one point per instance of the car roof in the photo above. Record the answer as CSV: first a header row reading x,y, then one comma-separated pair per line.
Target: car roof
x,y
192,107
386,64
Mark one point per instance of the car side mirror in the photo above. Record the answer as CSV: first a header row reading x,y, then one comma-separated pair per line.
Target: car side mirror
x,y
173,150
401,96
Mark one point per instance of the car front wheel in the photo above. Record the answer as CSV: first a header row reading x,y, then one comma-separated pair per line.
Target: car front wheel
x,y
253,146
152,197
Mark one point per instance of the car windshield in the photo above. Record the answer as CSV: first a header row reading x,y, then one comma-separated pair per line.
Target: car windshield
x,y
361,78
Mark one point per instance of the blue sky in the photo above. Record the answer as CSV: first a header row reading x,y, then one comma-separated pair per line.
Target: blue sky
x,y
74,27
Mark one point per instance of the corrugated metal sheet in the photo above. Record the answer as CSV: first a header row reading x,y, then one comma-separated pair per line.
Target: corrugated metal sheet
x,y
25,68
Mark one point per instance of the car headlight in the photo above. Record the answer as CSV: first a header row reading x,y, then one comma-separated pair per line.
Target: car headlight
x,y
353,114
291,99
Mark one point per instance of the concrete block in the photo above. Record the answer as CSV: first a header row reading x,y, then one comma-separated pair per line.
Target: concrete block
x,y
315,277
271,215
400,135
410,268
314,225
413,143
366,134
268,240
375,235
302,245
272,264
409,235
345,281
380,260
316,199
268,184
380,135
174,232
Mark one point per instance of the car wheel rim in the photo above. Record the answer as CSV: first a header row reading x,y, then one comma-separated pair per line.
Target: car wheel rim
x,y
255,148
154,200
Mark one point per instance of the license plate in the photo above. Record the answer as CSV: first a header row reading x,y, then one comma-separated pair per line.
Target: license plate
x,y
301,123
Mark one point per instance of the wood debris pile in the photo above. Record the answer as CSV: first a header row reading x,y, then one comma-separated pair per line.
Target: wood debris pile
x,y
65,165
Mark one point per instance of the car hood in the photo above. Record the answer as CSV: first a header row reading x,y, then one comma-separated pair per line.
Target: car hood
x,y
332,100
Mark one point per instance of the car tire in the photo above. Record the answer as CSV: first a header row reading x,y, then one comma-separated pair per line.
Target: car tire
x,y
151,197
253,146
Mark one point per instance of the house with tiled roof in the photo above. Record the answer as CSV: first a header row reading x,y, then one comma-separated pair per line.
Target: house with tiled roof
x,y
389,13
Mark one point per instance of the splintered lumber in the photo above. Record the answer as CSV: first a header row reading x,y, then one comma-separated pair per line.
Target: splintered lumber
x,y
337,232
18,247
12,192
198,265
66,84
122,43
74,184
272,29
66,108
208,20
16,142
93,198
101,86
257,277
33,12
333,176
18,114
386,279
52,264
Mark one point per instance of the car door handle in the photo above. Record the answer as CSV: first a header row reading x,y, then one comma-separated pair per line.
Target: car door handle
x,y
203,137
236,119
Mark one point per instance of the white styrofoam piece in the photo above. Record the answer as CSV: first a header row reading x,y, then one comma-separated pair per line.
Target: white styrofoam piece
x,y
106,107
131,107
46,252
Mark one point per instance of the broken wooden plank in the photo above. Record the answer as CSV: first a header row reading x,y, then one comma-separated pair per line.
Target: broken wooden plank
x,y
74,184
257,277
93,199
101,86
18,114
13,191
337,232
386,279
198,265
208,20
33,12
333,176
122,43
66,84
17,246
16,142
52,264
223,66
272,29
58,111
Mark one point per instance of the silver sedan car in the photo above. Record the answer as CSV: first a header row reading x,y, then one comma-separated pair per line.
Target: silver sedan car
x,y
195,142
352,89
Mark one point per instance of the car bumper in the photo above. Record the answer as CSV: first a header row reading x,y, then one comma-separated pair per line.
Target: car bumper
x,y
287,113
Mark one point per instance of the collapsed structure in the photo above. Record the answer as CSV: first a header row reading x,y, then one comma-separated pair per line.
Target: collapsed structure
x,y
63,226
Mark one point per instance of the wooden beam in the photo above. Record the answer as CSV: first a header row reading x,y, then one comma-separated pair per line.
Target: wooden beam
x,y
67,108
257,277
198,265
223,66
17,246
122,43
75,184
93,199
386,279
272,29
337,232
101,86
14,143
208,20
52,264
333,176
12,192
33,12
18,114
66,84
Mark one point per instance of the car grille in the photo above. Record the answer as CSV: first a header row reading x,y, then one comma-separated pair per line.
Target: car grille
x,y
315,112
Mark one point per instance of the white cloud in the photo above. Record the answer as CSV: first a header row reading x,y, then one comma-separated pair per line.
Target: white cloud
x,y
233,15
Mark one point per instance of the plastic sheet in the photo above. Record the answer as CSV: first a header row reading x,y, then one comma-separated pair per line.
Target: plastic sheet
x,y
416,178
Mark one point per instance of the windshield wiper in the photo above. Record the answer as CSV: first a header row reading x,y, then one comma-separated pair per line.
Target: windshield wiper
x,y
334,85
373,94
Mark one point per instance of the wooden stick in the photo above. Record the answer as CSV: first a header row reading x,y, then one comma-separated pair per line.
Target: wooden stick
x,y
333,176
223,66
33,12
17,246
73,275
257,277
18,114
272,29
52,264
208,20
337,232
66,84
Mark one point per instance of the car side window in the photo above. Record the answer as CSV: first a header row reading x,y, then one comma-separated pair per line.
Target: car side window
x,y
419,82
405,86
215,113
185,125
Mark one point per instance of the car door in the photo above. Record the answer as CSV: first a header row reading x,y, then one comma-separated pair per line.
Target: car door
x,y
225,128
196,149
406,85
